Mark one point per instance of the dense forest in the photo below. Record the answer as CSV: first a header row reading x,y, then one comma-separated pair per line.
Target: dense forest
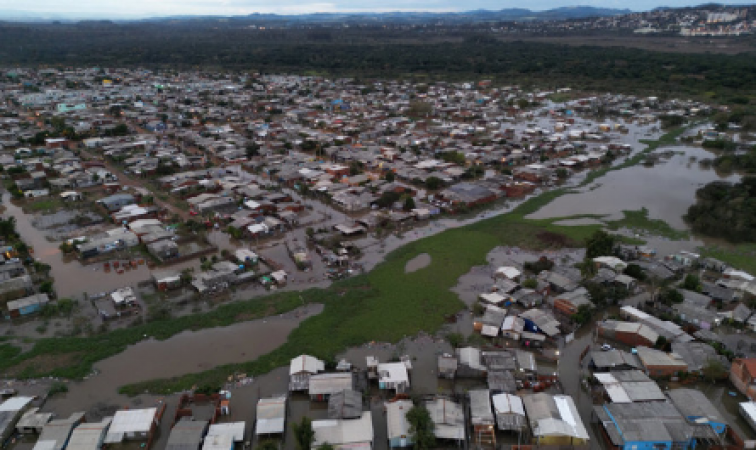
x,y
372,53
725,210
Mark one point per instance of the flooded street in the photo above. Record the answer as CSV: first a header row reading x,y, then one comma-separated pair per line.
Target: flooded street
x,y
667,189
151,359
71,277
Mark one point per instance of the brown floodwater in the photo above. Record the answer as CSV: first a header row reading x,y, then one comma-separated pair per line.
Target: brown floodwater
x,y
667,189
187,352
72,278
420,261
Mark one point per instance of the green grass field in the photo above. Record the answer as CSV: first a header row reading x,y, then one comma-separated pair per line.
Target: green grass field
x,y
385,304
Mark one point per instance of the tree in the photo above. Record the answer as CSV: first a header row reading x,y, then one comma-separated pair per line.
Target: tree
x,y
390,177
692,283
661,342
433,183
421,427
530,283
714,369
455,339
583,314
267,445
587,268
635,271
600,243
409,204
304,434
668,296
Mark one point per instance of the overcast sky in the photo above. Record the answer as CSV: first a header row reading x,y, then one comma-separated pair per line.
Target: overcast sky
x,y
151,8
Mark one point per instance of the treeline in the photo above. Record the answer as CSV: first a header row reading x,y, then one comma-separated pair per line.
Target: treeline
x,y
725,210
371,54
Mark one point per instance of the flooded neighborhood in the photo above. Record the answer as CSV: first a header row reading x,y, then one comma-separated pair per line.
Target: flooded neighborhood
x,y
224,212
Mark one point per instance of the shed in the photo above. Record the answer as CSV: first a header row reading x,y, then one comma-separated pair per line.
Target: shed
x,y
448,418
509,411
356,434
271,416
89,436
187,434
324,385
397,425
346,404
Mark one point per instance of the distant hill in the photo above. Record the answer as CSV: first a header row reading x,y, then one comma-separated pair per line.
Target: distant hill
x,y
562,13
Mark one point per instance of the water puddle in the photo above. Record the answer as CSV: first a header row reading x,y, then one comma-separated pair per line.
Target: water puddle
x,y
418,262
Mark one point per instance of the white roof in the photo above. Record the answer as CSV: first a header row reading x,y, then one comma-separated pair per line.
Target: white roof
x,y
395,372
492,297
15,403
508,404
131,421
749,409
306,363
87,436
218,442
489,330
271,416
396,419
339,432
570,416
234,430
508,271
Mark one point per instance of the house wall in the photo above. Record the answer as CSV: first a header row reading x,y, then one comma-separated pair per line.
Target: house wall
x,y
664,371
565,307
742,380
640,445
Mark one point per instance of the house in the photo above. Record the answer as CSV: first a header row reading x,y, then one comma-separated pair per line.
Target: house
x,y
116,201
630,333
346,404
538,321
660,364
11,410
697,408
89,436
301,369
271,416
513,327
447,366
649,425
568,303
26,306
56,433
628,386
697,355
163,250
323,385
743,376
554,420
448,419
187,434
224,436
397,425
133,425
613,360
481,417
393,376
469,363
490,323
33,421
343,434
509,411
16,288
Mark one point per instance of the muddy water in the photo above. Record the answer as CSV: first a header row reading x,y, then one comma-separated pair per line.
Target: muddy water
x,y
667,189
71,277
181,354
418,262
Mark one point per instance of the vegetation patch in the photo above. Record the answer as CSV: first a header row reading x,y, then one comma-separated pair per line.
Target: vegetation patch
x,y
639,221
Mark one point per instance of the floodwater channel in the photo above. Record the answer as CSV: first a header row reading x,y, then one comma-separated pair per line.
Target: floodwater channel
x,y
666,189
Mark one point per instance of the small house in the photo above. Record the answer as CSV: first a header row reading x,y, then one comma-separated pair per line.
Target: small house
x,y
397,424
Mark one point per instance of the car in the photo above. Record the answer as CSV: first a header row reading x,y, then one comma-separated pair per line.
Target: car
x,y
192,213
606,347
